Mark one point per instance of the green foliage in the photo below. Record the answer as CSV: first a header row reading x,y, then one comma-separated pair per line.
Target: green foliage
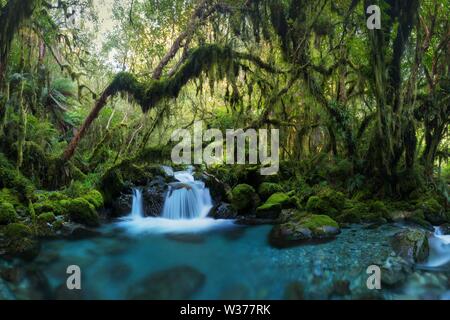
x,y
15,231
47,217
7,213
315,222
326,201
212,58
266,189
244,198
12,179
81,211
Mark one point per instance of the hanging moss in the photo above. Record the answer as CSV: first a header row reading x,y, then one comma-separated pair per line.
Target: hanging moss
x,y
214,59
12,16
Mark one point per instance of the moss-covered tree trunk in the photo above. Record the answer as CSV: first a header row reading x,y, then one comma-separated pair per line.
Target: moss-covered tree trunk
x,y
12,16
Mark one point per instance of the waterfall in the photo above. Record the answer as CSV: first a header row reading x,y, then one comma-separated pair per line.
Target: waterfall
x,y
137,210
439,249
186,199
185,210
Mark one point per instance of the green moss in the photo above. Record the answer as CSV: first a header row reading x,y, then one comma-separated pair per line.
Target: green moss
x,y
10,196
266,189
269,206
81,211
95,198
315,222
111,185
7,213
326,201
279,198
12,179
432,210
49,206
16,231
214,59
244,197
47,217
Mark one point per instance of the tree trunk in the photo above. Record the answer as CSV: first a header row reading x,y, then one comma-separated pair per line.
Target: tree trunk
x,y
87,123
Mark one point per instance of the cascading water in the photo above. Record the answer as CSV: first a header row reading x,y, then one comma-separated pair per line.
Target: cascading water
x,y
187,198
439,249
185,210
137,211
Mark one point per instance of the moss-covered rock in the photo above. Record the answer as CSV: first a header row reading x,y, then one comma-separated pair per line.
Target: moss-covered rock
x,y
16,231
411,245
7,213
95,198
244,198
433,211
19,241
374,211
12,197
266,189
326,201
303,227
271,209
81,211
111,185
416,217
47,217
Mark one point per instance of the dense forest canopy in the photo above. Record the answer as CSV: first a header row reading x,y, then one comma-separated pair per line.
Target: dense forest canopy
x,y
79,95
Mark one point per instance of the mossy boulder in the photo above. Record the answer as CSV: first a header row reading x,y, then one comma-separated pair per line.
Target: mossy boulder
x,y
111,185
81,211
16,231
19,241
433,211
326,201
271,209
47,217
7,213
416,217
244,198
12,197
303,227
411,245
266,189
374,211
95,198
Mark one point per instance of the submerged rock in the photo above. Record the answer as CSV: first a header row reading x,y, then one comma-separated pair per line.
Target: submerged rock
x,y
304,227
411,245
5,292
294,291
179,283
186,237
235,292
395,271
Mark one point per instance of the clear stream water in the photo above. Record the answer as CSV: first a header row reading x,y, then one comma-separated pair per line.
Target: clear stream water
x,y
234,262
